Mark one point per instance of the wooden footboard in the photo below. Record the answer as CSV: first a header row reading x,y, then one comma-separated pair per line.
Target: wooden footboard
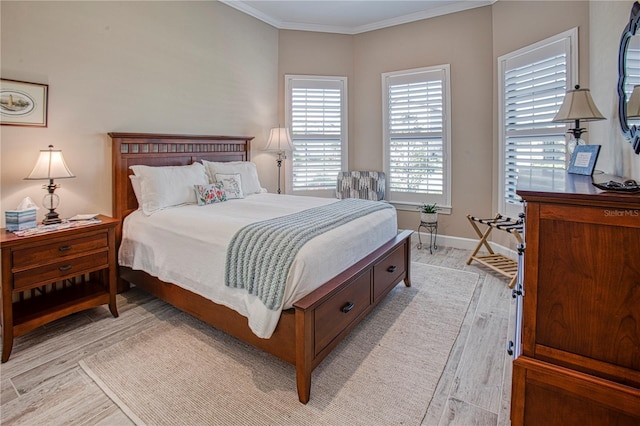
x,y
309,331
306,334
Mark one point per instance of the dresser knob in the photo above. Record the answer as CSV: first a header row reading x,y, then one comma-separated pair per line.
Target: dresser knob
x,y
392,268
64,268
64,248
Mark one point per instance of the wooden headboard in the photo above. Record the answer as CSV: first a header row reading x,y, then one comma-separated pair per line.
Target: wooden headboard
x,y
129,149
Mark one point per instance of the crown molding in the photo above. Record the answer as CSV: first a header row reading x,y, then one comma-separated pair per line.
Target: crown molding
x,y
449,7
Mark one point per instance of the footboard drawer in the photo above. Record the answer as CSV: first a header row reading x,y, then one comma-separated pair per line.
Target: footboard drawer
x,y
388,271
337,313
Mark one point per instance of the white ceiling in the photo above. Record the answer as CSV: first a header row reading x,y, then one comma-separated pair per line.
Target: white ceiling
x,y
348,16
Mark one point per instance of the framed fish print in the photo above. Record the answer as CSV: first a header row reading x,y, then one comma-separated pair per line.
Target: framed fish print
x,y
23,103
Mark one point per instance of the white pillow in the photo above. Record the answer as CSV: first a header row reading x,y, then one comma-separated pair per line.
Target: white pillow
x,y
232,184
162,187
247,170
135,184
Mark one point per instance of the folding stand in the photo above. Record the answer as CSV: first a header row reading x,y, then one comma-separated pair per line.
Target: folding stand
x,y
499,263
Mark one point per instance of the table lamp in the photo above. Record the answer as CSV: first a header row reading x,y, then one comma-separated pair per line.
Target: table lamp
x,y
50,165
577,105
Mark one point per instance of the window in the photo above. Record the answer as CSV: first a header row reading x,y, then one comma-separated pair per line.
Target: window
x,y
533,83
416,131
316,113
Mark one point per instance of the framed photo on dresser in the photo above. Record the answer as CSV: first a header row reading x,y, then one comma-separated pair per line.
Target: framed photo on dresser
x,y
583,160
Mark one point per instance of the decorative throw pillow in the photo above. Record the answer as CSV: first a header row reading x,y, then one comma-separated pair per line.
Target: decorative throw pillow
x,y
232,184
209,194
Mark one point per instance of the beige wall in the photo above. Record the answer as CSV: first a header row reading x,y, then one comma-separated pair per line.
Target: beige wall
x,y
311,53
517,24
471,41
462,40
608,19
202,67
364,57
161,67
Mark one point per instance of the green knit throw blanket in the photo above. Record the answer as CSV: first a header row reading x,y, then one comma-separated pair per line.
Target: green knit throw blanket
x,y
260,254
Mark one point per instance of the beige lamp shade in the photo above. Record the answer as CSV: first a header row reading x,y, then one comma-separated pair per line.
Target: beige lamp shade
x,y
279,140
633,106
578,105
50,165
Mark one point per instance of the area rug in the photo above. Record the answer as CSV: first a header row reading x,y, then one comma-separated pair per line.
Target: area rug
x,y
184,372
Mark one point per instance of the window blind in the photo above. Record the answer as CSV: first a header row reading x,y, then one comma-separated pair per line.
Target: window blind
x,y
632,69
317,131
534,85
416,151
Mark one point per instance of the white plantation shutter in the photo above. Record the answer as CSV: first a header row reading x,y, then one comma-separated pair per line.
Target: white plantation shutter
x,y
632,72
316,113
633,65
534,82
415,114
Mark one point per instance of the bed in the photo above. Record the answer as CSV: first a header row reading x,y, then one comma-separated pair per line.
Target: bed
x,y
309,327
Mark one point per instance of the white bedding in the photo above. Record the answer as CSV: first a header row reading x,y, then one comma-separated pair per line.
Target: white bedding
x,y
187,245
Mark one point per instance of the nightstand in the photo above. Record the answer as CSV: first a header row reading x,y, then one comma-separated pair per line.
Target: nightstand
x,y
51,275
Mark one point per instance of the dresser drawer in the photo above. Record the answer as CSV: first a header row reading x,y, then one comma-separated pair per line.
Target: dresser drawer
x,y
337,313
553,395
388,271
34,256
60,270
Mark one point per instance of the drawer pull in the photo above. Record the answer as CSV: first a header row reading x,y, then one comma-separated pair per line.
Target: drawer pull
x,y
392,268
64,268
64,248
346,308
510,346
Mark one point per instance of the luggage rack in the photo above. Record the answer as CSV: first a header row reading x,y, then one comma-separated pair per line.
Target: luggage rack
x,y
497,262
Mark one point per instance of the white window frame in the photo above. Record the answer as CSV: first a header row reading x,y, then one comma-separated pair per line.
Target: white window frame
x,y
316,81
527,55
410,200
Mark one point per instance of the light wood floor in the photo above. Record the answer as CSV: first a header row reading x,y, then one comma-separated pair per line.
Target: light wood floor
x,y
42,383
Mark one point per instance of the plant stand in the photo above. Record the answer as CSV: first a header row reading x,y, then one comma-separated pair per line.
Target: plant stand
x,y
432,227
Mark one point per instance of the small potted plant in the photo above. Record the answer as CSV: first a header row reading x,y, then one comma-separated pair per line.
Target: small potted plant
x,y
428,213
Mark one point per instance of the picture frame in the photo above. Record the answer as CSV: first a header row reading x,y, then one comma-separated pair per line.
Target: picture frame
x,y
23,103
583,160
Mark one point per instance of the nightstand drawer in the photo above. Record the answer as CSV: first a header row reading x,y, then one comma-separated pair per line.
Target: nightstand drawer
x,y
60,270
38,255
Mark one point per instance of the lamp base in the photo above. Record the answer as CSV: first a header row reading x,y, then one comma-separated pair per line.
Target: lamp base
x,y
51,218
573,143
281,156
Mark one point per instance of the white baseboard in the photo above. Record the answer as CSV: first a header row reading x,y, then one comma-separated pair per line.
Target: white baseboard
x,y
462,243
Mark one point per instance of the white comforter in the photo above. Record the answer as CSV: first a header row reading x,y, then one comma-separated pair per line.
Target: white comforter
x,y
187,246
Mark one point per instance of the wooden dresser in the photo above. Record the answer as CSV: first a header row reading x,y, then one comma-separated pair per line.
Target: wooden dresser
x,y
580,353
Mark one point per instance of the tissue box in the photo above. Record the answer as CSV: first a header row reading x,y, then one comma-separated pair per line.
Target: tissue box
x,y
17,220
